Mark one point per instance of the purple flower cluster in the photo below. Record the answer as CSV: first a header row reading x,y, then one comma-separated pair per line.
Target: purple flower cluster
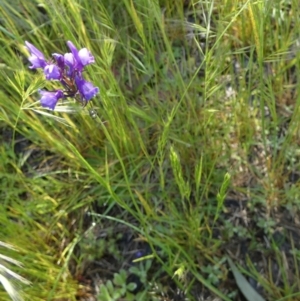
x,y
68,70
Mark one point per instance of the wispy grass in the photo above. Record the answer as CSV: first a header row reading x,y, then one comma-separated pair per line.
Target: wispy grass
x,y
192,103
8,277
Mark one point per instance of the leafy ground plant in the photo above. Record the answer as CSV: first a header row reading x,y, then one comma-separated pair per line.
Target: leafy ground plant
x,y
179,144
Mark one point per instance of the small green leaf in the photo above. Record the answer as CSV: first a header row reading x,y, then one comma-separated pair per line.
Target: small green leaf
x,y
131,286
148,264
118,280
110,287
134,270
117,294
130,297
104,294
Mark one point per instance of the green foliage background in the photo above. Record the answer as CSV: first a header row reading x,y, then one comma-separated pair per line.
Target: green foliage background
x,y
168,143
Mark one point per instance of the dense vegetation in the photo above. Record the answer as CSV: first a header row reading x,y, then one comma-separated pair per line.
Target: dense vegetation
x,y
180,179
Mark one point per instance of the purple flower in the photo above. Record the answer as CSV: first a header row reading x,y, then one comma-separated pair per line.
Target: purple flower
x,y
86,57
86,89
36,58
70,62
52,72
67,68
82,57
50,99
59,58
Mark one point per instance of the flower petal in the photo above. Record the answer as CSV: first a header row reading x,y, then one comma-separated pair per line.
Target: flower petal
x,y
70,63
85,57
52,72
59,58
86,89
82,57
50,99
37,58
77,62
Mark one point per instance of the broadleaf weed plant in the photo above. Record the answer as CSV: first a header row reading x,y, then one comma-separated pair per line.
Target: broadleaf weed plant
x,y
118,288
190,99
